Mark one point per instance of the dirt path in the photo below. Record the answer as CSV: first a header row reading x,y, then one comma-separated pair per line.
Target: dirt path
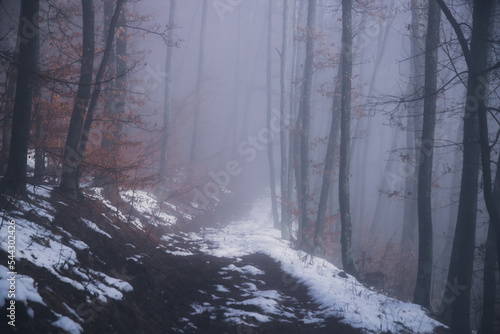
x,y
248,294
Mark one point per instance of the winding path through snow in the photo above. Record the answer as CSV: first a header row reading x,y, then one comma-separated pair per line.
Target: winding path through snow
x,y
253,295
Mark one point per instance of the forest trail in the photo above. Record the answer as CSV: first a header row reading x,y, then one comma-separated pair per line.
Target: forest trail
x,y
243,294
228,271
256,283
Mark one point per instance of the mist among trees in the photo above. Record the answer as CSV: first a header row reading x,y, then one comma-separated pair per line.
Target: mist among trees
x,y
374,125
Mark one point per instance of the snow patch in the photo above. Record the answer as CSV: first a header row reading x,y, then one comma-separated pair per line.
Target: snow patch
x,y
94,227
340,297
25,288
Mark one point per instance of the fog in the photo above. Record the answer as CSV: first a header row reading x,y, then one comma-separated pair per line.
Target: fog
x,y
219,118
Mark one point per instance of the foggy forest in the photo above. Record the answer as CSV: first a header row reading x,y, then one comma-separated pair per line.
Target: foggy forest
x,y
249,166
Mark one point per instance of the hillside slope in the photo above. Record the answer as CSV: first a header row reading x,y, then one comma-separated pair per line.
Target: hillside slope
x,y
94,268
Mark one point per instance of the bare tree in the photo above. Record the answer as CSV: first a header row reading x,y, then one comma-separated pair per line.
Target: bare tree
x,y
329,164
168,92
291,134
72,155
118,18
285,210
269,88
305,116
345,140
462,255
15,175
425,238
413,124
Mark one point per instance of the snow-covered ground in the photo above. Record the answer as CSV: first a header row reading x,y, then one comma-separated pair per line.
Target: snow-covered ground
x,y
340,297
43,248
338,294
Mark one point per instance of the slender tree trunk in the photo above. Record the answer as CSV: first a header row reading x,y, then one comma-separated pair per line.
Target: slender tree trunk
x,y
120,60
120,85
107,142
39,171
489,281
329,164
168,93
490,190
305,111
462,255
297,124
10,95
72,154
293,76
413,131
270,155
491,256
285,210
345,140
14,180
199,77
425,238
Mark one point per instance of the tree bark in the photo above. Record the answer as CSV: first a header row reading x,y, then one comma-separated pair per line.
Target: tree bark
x,y
120,84
14,180
39,171
168,93
10,95
462,255
424,271
112,188
291,133
285,210
489,281
107,142
329,164
270,155
305,111
72,153
413,131
345,140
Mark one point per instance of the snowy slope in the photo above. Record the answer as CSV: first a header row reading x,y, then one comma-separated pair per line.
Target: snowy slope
x,y
359,307
54,252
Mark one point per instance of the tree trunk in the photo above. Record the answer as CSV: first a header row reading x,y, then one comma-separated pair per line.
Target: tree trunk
x,y
14,180
121,47
285,210
168,93
424,271
329,164
489,282
39,171
10,94
291,167
199,77
270,156
72,153
305,111
462,255
297,129
345,140
107,142
413,131
9,97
